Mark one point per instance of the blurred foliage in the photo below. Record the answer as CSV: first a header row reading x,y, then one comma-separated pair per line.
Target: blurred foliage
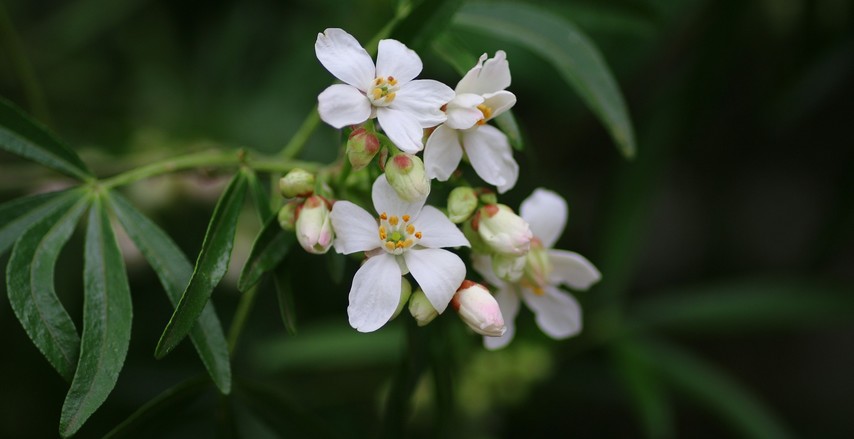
x,y
726,245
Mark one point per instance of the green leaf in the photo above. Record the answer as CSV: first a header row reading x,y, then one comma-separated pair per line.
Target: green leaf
x,y
571,52
714,390
269,248
23,136
287,417
427,19
741,305
30,284
285,296
211,265
507,122
172,399
651,402
259,197
18,215
106,323
174,271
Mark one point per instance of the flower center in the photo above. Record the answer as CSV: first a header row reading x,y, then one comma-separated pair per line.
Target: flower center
x,y
397,233
486,111
383,91
538,268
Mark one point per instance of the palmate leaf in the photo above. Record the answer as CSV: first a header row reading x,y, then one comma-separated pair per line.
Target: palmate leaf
x,y
29,283
18,215
566,48
106,323
211,265
268,250
174,271
22,136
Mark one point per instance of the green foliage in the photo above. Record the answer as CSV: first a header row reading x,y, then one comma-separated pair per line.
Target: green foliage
x,y
18,215
268,250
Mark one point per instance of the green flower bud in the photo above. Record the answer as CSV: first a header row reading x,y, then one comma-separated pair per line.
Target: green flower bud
x,y
462,203
421,309
297,183
287,216
405,173
362,146
405,292
502,230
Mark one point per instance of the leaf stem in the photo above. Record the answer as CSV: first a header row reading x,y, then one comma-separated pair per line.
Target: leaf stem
x,y
244,307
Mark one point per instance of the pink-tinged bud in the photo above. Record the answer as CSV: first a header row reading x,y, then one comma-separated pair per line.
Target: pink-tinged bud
x,y
478,309
288,214
313,226
462,202
421,309
362,146
509,268
405,292
405,173
504,232
297,183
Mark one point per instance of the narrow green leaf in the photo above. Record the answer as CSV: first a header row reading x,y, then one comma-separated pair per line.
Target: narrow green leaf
x,y
106,323
747,304
23,136
571,52
288,418
427,19
18,215
285,296
714,390
211,265
269,248
172,399
259,197
29,283
451,49
651,402
174,271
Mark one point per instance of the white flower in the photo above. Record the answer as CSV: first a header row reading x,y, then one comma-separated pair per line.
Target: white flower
x,y
480,96
405,238
386,91
557,313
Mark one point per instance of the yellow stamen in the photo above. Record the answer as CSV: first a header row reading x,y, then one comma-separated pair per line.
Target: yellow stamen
x,y
486,111
389,97
410,229
382,233
389,245
383,216
406,219
408,243
378,81
418,235
393,220
377,93
392,81
539,291
399,244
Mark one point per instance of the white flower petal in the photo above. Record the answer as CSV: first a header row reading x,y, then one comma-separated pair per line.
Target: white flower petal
x,y
355,229
375,293
386,200
438,272
546,212
402,128
443,153
462,111
557,313
482,264
423,99
437,230
341,105
486,77
491,157
397,60
499,102
345,58
508,302
573,270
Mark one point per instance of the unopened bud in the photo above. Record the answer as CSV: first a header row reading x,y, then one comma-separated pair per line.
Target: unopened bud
x,y
405,173
297,183
362,146
287,215
502,230
509,268
478,309
313,226
421,309
488,197
462,203
405,292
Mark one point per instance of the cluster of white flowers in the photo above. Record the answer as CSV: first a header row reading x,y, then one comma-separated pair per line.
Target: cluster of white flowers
x,y
512,253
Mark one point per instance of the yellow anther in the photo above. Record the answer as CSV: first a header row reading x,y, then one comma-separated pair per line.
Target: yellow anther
x,y
389,245
389,97
399,244
392,81
418,235
378,81
407,243
377,93
382,233
539,291
393,220
406,219
383,216
410,228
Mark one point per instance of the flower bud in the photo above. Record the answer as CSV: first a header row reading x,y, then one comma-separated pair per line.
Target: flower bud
x,y
405,173
287,215
313,226
462,202
502,230
362,146
405,292
421,309
509,268
478,309
538,267
297,183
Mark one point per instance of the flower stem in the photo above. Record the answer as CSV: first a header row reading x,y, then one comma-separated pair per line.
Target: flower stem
x,y
244,307
300,138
